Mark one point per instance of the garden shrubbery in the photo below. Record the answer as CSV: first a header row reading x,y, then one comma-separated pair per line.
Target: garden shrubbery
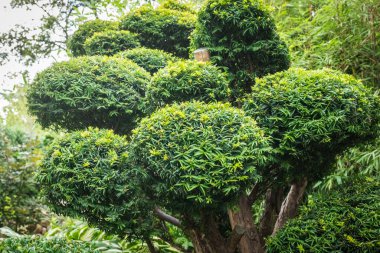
x,y
40,245
110,42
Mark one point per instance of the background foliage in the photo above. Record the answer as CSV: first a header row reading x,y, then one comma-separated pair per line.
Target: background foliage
x,y
345,219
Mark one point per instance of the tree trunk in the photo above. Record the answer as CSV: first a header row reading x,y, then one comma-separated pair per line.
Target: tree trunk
x,y
273,200
290,205
250,241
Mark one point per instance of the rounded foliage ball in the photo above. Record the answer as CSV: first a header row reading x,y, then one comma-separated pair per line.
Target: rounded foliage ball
x,y
149,59
313,116
87,174
43,245
241,36
110,42
187,80
94,91
344,220
197,153
76,42
161,28
176,5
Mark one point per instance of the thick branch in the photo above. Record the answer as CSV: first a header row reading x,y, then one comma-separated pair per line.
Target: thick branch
x,y
166,217
290,204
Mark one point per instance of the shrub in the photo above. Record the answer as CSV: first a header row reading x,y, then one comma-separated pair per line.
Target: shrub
x,y
20,208
110,42
241,36
203,154
187,80
176,5
161,28
40,245
313,115
149,59
87,174
76,42
107,90
345,219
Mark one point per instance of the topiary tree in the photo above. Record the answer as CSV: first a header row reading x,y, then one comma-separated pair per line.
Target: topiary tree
x,y
342,220
240,36
108,90
110,42
149,59
161,28
187,80
312,116
201,167
75,44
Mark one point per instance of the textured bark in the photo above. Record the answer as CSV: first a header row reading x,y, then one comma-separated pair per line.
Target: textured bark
x,y
250,241
273,200
290,204
151,247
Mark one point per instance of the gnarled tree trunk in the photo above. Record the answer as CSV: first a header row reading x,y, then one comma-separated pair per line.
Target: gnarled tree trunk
x,y
250,241
290,204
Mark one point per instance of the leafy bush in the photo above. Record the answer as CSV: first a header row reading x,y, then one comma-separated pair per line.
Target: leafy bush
x,y
187,80
241,36
203,154
20,208
76,42
86,174
362,160
343,220
317,35
40,245
110,42
149,59
107,90
161,28
176,5
313,115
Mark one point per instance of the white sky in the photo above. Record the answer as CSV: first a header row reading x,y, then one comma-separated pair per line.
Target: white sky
x,y
9,18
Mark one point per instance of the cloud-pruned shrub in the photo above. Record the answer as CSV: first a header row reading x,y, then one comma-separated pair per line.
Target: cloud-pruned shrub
x,y
108,90
110,42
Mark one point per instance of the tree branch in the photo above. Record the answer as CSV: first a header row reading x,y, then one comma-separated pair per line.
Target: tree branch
x,y
166,217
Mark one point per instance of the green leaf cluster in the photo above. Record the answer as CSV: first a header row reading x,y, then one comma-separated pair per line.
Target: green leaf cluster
x,y
161,28
87,174
313,116
39,245
199,154
187,80
110,42
107,90
20,208
75,43
241,36
345,219
149,59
